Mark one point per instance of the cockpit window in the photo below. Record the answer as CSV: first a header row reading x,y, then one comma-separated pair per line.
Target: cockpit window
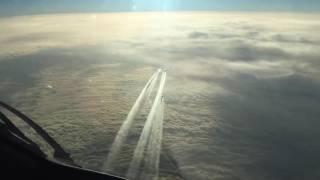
x,y
168,89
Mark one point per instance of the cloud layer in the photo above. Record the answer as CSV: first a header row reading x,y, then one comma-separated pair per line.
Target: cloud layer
x,y
242,96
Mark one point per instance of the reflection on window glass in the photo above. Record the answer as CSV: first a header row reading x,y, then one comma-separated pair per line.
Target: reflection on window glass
x,y
169,89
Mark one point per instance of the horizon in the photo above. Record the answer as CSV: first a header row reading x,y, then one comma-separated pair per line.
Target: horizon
x,y
17,8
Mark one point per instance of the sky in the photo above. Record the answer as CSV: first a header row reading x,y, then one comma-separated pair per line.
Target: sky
x,y
21,7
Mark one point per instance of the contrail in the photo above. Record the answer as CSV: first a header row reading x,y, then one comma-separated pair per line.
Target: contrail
x,y
125,128
153,83
152,159
143,140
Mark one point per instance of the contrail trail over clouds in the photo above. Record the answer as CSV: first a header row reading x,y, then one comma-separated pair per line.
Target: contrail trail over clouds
x,y
145,135
152,158
153,83
127,124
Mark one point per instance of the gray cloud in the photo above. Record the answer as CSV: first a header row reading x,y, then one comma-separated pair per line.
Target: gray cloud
x,y
242,52
35,37
294,39
293,101
198,35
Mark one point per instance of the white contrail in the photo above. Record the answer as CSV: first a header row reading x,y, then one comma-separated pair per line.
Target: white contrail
x,y
152,158
153,83
126,126
139,151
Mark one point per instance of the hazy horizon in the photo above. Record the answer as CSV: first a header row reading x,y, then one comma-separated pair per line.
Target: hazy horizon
x,y
20,7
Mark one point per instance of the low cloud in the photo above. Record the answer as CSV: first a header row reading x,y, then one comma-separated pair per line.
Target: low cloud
x,y
198,35
294,39
242,92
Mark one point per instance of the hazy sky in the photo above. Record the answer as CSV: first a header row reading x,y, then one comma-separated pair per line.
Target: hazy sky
x,y
17,7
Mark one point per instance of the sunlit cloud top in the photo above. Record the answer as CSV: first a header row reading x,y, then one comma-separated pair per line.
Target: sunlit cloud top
x,y
18,7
